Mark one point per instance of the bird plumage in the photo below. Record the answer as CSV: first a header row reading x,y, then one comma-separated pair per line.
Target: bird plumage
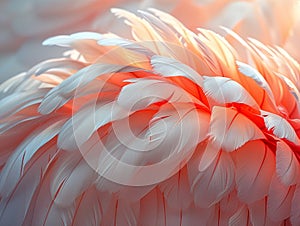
x,y
169,128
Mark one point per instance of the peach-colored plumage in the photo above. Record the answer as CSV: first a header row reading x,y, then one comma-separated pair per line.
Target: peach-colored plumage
x,y
26,24
169,128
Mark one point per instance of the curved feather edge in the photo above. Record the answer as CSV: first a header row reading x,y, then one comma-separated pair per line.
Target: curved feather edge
x,y
287,165
254,163
226,132
280,127
279,200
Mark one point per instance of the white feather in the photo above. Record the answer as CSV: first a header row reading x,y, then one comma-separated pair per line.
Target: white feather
x,y
22,193
210,153
77,130
20,100
18,83
15,166
65,91
72,176
44,211
169,67
144,92
287,165
255,162
124,43
214,183
280,127
227,132
279,200
224,90
67,40
164,133
89,210
121,212
177,190
60,63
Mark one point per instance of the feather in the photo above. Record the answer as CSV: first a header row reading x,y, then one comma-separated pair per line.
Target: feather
x,y
228,206
20,100
177,119
210,154
43,210
162,29
241,217
213,184
257,212
18,83
77,130
220,90
295,214
192,216
21,194
224,54
292,87
287,165
15,166
121,213
12,138
279,200
156,211
89,209
64,92
251,72
126,44
153,209
60,63
26,115
143,32
134,193
280,127
255,163
176,190
73,176
169,67
186,34
226,132
153,91
259,215
189,50
67,40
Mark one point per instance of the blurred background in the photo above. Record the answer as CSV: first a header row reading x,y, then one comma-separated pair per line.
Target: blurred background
x,y
25,24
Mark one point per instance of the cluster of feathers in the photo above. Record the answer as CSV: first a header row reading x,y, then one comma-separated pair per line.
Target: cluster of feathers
x,y
27,24
219,126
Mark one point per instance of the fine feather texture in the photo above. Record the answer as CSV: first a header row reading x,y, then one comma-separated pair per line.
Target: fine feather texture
x,y
220,90
287,165
177,191
15,166
22,193
279,202
255,75
211,185
167,128
170,67
280,127
226,131
255,164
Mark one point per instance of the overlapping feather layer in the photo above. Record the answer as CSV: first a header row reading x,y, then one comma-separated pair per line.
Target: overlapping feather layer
x,y
171,128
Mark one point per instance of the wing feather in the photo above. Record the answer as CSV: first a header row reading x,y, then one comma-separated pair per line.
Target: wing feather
x,y
227,132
